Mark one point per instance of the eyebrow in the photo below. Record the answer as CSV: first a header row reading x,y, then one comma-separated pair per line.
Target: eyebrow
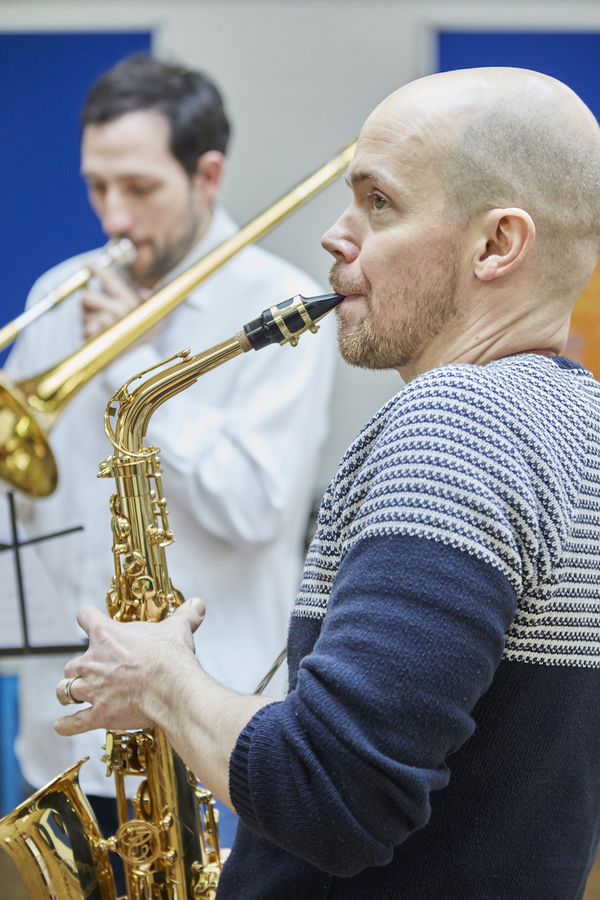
x,y
128,176
356,178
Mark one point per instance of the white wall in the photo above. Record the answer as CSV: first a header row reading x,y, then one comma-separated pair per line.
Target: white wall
x,y
299,78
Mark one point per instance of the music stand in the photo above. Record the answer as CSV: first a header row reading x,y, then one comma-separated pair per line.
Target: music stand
x,y
15,546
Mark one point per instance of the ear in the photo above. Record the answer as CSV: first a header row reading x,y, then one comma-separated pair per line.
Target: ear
x,y
209,174
505,238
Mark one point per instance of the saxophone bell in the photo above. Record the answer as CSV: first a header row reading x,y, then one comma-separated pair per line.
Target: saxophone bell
x,y
54,840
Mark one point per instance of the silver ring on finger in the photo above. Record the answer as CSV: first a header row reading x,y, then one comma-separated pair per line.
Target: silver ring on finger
x,y
68,694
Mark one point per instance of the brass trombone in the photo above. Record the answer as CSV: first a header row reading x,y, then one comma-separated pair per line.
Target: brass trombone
x,y
119,251
29,408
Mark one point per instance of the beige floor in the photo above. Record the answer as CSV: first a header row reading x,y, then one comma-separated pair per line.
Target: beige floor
x,y
592,891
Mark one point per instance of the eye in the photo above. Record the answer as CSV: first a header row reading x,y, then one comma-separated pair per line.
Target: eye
x,y
96,187
141,190
378,201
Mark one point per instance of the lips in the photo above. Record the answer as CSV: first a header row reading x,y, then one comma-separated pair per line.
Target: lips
x,y
350,292
349,296
144,251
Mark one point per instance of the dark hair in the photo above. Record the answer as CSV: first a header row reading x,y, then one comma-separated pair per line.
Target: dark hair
x,y
188,99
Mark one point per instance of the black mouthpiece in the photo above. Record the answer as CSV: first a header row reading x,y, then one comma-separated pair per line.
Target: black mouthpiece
x,y
288,320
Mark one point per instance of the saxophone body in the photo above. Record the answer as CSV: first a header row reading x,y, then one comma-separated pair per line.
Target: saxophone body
x,y
170,846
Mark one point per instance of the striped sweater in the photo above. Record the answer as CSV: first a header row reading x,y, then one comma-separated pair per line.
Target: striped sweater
x,y
441,736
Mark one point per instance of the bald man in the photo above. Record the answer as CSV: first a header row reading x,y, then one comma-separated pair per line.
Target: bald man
x,y
441,735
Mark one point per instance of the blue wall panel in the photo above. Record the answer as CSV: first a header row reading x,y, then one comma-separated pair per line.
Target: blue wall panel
x,y
572,57
10,775
44,213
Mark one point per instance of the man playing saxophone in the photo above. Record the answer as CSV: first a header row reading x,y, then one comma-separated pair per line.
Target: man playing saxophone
x,y
441,735
152,155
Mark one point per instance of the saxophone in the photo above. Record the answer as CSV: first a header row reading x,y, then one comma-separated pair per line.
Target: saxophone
x,y
170,847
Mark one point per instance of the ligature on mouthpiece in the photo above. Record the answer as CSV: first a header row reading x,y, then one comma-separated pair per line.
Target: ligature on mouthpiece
x,y
288,320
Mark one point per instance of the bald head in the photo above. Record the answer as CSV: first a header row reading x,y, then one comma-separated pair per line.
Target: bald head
x,y
500,138
451,98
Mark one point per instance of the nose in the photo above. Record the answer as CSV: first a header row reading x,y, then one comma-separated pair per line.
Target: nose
x,y
114,213
340,241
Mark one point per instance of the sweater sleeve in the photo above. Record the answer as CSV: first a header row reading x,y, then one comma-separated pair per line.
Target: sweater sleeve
x,y
341,771
429,533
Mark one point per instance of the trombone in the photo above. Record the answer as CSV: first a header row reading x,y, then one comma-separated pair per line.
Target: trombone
x,y
29,408
119,251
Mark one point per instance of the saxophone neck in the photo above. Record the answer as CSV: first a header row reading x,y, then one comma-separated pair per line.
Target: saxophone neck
x,y
136,407
280,324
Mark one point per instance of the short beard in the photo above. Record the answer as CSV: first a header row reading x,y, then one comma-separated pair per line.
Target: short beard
x,y
399,341
172,253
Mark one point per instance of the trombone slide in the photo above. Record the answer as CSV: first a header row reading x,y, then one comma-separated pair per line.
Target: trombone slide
x,y
118,252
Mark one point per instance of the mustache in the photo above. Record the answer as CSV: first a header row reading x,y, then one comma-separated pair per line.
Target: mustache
x,y
343,285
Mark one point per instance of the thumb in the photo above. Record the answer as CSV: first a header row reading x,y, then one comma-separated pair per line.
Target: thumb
x,y
89,616
193,610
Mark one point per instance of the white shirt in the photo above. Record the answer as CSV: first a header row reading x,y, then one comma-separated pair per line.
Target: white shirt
x,y
239,451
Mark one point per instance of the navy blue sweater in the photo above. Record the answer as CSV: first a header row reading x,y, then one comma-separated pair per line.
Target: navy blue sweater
x,y
441,736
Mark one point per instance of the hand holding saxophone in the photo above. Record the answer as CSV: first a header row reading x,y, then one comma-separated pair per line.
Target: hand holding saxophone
x,y
144,674
121,663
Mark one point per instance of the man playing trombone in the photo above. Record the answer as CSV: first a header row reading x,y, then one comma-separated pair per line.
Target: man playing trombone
x,y
152,156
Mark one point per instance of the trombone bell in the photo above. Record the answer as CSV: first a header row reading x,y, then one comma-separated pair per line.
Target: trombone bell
x,y
26,460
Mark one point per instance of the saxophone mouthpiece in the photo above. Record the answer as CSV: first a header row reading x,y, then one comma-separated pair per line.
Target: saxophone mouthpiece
x,y
288,320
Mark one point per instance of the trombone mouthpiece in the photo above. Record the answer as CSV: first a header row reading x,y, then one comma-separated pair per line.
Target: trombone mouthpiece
x,y
288,320
118,252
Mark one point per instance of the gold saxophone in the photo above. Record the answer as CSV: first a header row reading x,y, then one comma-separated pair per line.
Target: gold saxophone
x,y
170,847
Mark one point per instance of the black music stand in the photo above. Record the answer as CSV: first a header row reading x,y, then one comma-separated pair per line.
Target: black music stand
x,y
27,648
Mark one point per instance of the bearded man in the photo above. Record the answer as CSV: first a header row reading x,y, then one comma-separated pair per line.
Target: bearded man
x,y
441,734
239,449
